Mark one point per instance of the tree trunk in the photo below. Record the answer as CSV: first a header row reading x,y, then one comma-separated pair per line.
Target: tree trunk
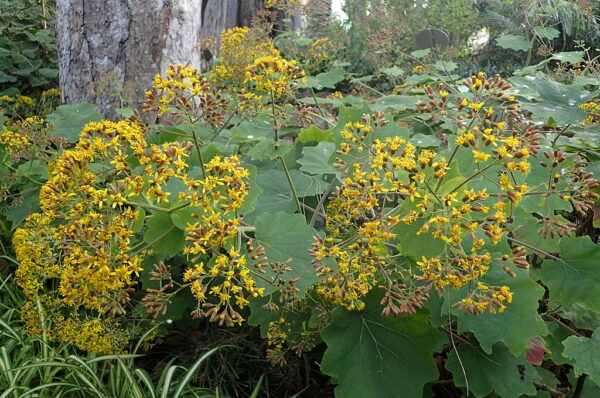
x,y
218,15
110,50
318,17
247,10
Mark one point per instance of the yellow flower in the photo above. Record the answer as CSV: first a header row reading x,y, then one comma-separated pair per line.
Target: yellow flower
x,y
479,156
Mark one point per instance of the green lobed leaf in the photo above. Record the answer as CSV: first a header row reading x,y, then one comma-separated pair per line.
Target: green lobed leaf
x,y
514,42
585,352
575,278
572,57
500,372
325,80
276,194
396,102
314,134
315,159
268,149
68,120
284,237
547,32
373,356
421,53
514,326
163,235
393,71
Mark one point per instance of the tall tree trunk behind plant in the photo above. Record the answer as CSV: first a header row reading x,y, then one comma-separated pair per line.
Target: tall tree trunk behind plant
x,y
105,46
318,17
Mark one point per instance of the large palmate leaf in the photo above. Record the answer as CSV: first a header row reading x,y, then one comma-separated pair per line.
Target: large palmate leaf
x,y
559,102
546,32
268,149
276,194
585,353
575,278
163,236
514,42
325,80
314,134
500,372
396,102
68,120
514,326
287,237
373,356
315,159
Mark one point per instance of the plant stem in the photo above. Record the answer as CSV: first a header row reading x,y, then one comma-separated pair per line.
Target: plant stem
x,y
518,242
158,238
322,118
274,120
313,219
157,208
291,183
197,145
312,92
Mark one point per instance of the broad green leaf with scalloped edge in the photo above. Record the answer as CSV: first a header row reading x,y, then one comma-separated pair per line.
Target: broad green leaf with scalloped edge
x,y
500,372
585,352
393,71
514,42
373,356
547,32
514,326
284,237
325,80
276,194
572,57
314,134
576,276
163,235
315,159
421,53
269,149
396,102
68,120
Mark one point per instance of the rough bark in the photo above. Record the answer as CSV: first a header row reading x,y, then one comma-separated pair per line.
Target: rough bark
x,y
247,10
318,17
122,43
218,16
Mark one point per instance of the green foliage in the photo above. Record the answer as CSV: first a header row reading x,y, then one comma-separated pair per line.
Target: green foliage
x,y
574,277
499,371
370,355
68,120
584,351
27,48
412,330
490,329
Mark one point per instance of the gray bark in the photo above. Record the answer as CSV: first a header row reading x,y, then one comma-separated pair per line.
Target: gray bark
x,y
318,17
218,16
128,40
247,10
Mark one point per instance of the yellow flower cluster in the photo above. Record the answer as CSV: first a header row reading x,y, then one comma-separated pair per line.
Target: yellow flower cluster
x,y
274,75
390,185
593,110
188,95
320,51
15,142
226,276
24,102
74,255
240,46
